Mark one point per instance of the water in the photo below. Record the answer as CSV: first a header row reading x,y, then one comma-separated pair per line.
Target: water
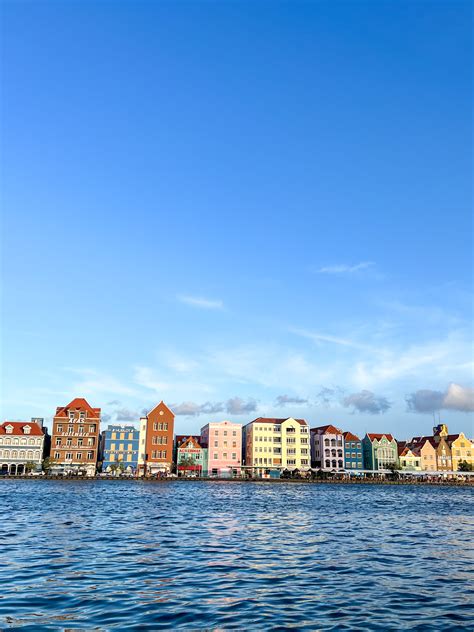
x,y
220,555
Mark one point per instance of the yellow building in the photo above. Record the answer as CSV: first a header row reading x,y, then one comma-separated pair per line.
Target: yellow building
x,y
409,458
462,449
276,444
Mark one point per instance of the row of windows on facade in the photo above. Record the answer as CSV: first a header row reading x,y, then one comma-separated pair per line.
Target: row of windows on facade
x,y
216,444
79,442
121,436
121,447
159,454
269,461
353,445
258,428
333,463
333,442
77,416
81,429
278,450
303,440
22,441
160,425
354,465
120,457
215,433
20,454
69,456
224,456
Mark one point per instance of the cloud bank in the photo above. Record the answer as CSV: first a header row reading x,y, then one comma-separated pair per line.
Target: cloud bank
x,y
455,397
366,402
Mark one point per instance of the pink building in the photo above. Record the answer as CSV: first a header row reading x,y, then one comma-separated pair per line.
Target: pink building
x,y
224,441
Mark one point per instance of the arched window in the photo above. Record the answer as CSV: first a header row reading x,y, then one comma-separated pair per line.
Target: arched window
x,y
30,454
37,454
23,441
16,441
7,454
327,464
21,454
14,454
31,442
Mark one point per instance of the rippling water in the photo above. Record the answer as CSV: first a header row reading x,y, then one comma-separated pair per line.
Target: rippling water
x,y
216,555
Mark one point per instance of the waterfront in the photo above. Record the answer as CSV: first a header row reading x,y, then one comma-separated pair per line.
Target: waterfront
x,y
130,555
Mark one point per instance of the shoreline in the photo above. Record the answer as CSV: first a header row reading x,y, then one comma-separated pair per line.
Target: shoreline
x,y
468,482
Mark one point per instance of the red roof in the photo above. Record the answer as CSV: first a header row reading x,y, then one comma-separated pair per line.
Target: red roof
x,y
329,429
183,441
18,428
377,435
350,436
272,420
79,403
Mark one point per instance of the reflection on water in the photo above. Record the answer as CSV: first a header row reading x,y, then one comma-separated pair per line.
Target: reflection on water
x,y
215,555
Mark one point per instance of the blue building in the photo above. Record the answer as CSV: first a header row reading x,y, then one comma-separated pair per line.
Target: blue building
x,y
120,448
353,453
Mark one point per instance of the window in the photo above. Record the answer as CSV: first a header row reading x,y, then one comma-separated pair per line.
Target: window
x,y
224,456
71,415
234,455
130,436
90,441
58,441
113,435
304,461
70,429
234,433
79,456
165,425
90,455
234,444
92,428
291,461
82,415
60,428
216,444
155,426
57,455
225,444
68,456
80,441
216,456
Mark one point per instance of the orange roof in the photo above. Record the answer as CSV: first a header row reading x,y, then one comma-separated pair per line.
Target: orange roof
x,y
77,403
350,436
272,420
18,428
377,435
329,429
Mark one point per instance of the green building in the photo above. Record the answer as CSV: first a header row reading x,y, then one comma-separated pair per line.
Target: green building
x,y
380,451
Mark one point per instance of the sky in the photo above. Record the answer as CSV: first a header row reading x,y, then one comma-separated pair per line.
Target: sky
x,y
241,208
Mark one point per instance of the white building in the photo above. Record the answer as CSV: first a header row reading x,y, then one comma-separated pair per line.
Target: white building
x,y
21,442
327,448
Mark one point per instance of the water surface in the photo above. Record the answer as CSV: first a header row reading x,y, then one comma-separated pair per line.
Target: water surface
x,y
222,555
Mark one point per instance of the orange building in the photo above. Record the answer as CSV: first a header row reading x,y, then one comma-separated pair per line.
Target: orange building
x,y
75,437
156,437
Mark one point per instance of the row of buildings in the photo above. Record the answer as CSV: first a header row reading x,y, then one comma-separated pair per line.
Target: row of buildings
x,y
263,447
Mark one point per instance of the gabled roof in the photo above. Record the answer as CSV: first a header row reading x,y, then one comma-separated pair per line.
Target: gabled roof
x,y
190,441
328,429
160,405
19,428
377,436
350,436
273,420
419,442
77,403
180,439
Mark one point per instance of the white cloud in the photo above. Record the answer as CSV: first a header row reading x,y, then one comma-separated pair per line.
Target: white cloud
x,y
343,268
456,397
200,302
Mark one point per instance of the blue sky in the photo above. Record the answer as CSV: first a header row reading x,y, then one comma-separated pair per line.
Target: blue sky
x,y
243,209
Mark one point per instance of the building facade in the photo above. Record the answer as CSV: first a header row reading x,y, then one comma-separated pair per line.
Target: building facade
x,y
409,458
353,455
21,443
270,443
380,451
75,438
156,435
224,445
191,456
327,448
462,450
119,448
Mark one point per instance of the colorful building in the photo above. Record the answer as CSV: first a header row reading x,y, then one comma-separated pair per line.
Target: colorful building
x,y
119,448
22,443
409,458
462,450
75,438
156,436
327,448
191,456
427,449
353,454
380,451
282,444
224,444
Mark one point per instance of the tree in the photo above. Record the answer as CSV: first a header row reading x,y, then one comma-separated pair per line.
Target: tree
x,y
186,462
48,464
30,466
464,466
